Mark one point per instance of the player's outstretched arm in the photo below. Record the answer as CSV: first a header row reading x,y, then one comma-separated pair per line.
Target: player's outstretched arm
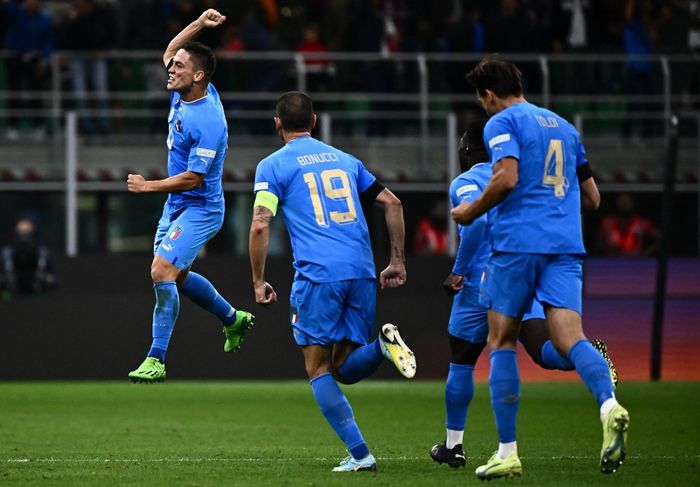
x,y
209,18
181,182
395,273
258,244
504,179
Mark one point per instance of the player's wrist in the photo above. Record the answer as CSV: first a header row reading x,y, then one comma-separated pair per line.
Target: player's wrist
x,y
200,23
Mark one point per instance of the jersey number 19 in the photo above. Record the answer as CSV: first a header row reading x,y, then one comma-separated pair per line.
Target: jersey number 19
x,y
336,186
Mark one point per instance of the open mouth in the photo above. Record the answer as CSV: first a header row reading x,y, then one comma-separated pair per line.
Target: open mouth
x,y
171,78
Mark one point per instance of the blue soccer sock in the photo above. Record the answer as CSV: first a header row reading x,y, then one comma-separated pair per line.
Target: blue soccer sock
x,y
504,383
361,362
337,411
593,370
204,294
553,360
459,391
164,316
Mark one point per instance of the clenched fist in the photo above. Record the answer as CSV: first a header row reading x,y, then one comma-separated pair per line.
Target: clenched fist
x,y
211,18
136,183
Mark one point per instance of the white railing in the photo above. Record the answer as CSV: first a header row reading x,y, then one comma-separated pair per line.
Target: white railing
x,y
414,105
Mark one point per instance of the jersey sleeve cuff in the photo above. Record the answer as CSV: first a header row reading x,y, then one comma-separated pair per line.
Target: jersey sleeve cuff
x,y
267,200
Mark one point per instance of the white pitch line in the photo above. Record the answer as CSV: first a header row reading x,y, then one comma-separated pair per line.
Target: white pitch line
x,y
317,459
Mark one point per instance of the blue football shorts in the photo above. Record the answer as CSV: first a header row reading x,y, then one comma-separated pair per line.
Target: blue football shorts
x,y
324,313
511,281
469,318
535,312
181,234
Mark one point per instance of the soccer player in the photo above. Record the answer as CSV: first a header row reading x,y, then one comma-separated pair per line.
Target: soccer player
x,y
468,327
194,210
538,252
332,301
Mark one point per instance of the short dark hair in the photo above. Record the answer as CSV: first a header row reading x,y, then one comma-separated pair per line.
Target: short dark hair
x,y
295,111
202,57
472,149
498,75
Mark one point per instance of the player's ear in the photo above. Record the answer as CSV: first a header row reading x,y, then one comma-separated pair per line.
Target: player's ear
x,y
278,123
314,119
198,76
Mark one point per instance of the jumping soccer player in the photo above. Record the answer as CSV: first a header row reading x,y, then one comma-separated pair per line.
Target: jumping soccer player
x,y
194,211
468,327
332,301
537,253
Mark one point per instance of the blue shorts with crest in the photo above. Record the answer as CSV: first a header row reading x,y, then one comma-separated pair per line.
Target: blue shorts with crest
x,y
324,313
182,233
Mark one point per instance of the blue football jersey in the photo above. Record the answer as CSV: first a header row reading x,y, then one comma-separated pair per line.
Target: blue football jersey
x,y
542,215
318,188
197,141
475,239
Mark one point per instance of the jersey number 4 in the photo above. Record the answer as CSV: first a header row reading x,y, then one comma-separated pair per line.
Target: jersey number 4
x,y
336,186
556,152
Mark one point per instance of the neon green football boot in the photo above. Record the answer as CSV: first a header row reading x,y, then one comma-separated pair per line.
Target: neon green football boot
x,y
236,330
498,467
150,371
614,449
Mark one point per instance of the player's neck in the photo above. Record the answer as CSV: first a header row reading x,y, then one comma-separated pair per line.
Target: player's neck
x,y
193,94
503,103
290,136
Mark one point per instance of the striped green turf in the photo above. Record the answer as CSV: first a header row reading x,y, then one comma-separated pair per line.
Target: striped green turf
x,y
271,433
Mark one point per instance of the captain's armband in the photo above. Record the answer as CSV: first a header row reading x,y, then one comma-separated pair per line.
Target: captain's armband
x,y
267,200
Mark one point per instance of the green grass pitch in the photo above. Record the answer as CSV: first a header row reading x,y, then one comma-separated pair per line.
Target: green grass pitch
x,y
271,433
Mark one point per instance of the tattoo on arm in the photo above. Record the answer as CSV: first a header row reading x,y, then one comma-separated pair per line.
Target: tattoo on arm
x,y
262,214
397,253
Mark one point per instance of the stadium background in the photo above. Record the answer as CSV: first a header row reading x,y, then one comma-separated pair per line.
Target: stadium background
x,y
387,77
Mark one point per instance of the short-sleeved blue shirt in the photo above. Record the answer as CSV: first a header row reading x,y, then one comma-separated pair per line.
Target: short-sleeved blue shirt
x,y
475,239
319,189
197,141
542,215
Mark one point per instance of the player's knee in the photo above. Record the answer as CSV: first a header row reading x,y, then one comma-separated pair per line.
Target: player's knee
x,y
161,272
563,342
157,274
317,369
498,339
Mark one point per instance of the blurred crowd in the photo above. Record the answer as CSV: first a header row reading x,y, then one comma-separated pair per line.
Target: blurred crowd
x,y
454,26
31,30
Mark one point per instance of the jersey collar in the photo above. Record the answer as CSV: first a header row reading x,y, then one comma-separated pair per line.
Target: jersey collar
x,y
198,100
